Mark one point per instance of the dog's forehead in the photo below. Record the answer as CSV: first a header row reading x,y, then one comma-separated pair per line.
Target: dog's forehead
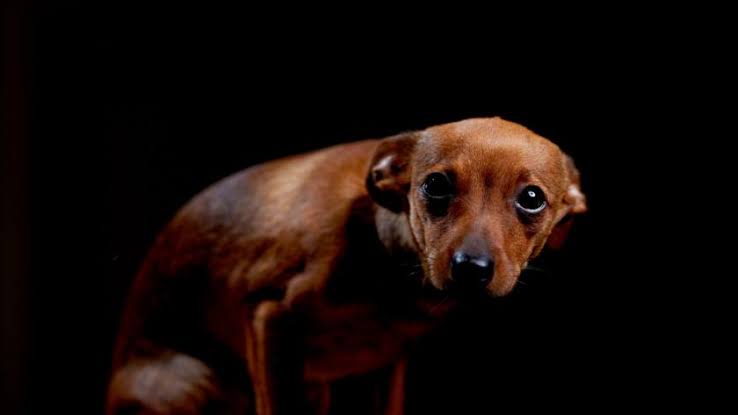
x,y
487,142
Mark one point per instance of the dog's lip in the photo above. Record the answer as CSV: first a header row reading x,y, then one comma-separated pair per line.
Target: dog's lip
x,y
447,290
468,293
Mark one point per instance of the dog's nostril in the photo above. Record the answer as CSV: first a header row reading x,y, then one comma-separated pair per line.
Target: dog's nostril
x,y
471,270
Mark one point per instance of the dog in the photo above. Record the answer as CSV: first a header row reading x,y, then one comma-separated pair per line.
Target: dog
x,y
274,284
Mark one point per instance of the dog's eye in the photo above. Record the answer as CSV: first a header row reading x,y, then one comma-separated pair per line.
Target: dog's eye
x,y
438,186
531,200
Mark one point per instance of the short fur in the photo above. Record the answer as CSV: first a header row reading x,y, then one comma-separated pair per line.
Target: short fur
x,y
282,279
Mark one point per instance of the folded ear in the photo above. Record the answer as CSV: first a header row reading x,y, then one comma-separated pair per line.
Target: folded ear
x,y
388,179
575,203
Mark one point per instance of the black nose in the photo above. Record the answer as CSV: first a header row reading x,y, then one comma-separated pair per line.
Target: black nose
x,y
471,271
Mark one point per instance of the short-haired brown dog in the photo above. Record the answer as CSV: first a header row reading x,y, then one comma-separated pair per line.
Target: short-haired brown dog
x,y
282,279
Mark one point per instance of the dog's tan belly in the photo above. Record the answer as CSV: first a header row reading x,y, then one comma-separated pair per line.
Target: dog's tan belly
x,y
353,339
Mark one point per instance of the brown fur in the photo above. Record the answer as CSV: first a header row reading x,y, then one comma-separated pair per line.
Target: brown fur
x,y
291,275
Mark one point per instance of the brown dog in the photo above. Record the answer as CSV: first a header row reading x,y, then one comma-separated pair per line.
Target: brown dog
x,y
278,281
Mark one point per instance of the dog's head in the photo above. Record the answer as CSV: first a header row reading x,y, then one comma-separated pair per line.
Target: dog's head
x,y
482,197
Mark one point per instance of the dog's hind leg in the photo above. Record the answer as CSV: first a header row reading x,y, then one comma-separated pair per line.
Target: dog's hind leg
x,y
169,383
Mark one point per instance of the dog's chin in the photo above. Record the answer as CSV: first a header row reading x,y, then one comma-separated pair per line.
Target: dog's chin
x,y
444,286
500,292
498,287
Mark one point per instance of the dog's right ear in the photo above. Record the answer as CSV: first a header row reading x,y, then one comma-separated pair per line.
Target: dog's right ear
x,y
388,180
575,204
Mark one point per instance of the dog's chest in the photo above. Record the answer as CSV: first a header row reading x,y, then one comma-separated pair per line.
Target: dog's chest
x,y
342,340
373,310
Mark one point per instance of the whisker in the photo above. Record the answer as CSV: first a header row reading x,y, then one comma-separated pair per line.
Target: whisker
x,y
532,268
440,303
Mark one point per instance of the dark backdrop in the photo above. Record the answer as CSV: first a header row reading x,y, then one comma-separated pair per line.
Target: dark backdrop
x,y
131,110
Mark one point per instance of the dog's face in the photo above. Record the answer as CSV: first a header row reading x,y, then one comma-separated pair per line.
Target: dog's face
x,y
482,197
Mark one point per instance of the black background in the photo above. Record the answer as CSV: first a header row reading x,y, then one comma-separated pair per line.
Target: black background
x,y
130,110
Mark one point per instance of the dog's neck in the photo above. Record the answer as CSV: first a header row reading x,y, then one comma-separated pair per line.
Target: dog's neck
x,y
394,232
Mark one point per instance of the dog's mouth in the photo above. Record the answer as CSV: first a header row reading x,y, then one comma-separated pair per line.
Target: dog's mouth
x,y
439,296
494,287
446,287
441,282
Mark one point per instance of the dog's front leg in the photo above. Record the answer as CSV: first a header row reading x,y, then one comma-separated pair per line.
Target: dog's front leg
x,y
274,360
396,393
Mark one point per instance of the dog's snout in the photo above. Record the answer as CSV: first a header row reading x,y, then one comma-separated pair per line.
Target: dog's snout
x,y
469,271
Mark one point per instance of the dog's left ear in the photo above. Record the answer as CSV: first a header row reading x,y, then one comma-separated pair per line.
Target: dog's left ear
x,y
388,179
575,203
